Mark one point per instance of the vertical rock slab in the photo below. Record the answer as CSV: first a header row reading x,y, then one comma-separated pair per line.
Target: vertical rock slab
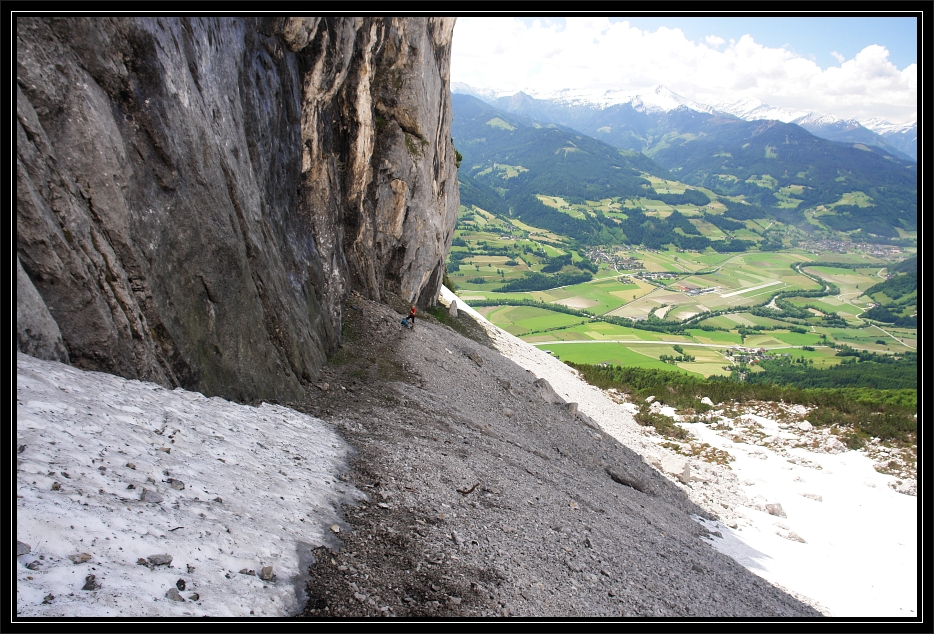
x,y
196,196
37,334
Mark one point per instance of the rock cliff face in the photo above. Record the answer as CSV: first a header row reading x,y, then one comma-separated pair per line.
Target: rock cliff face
x,y
195,197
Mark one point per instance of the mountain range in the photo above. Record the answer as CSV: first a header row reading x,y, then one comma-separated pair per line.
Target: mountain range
x,y
522,146
898,139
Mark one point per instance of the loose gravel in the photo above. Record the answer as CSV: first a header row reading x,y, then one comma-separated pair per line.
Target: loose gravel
x,y
490,493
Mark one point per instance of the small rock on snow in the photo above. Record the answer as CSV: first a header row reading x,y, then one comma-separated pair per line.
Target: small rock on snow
x,y
160,560
173,595
80,558
90,583
178,485
150,496
22,548
775,509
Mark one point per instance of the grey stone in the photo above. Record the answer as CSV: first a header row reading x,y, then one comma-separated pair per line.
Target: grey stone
x,y
56,486
628,478
194,596
452,309
178,485
173,595
159,560
142,562
247,571
22,548
474,356
678,467
90,583
219,500
546,392
791,536
587,420
180,584
775,509
805,426
33,565
130,465
572,409
266,573
150,496
80,558
37,332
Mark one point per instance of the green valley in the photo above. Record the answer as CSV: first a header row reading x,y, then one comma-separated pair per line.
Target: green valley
x,y
601,256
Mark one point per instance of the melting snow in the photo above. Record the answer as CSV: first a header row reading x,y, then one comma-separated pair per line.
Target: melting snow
x,y
260,489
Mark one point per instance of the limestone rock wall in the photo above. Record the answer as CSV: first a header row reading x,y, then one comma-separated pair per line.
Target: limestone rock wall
x,y
195,197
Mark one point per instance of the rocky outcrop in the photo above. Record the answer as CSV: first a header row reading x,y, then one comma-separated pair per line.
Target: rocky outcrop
x,y
195,197
37,334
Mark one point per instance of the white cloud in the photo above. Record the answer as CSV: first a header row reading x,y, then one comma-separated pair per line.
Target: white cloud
x,y
837,56
715,41
591,52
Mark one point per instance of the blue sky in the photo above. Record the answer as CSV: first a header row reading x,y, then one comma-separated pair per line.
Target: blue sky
x,y
851,67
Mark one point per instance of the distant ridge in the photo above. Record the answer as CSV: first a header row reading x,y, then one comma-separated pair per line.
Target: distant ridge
x,y
898,139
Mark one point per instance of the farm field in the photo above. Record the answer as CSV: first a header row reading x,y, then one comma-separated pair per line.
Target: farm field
x,y
519,320
663,284
613,353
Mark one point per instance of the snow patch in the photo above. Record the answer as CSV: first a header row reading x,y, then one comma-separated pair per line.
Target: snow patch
x,y
241,487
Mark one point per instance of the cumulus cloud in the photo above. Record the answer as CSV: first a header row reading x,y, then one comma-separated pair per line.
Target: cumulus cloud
x,y
714,41
592,52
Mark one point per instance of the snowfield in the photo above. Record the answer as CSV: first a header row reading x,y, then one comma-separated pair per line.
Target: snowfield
x,y
113,473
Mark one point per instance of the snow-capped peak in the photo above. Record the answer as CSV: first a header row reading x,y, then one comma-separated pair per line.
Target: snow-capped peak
x,y
656,99
483,94
881,126
751,109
